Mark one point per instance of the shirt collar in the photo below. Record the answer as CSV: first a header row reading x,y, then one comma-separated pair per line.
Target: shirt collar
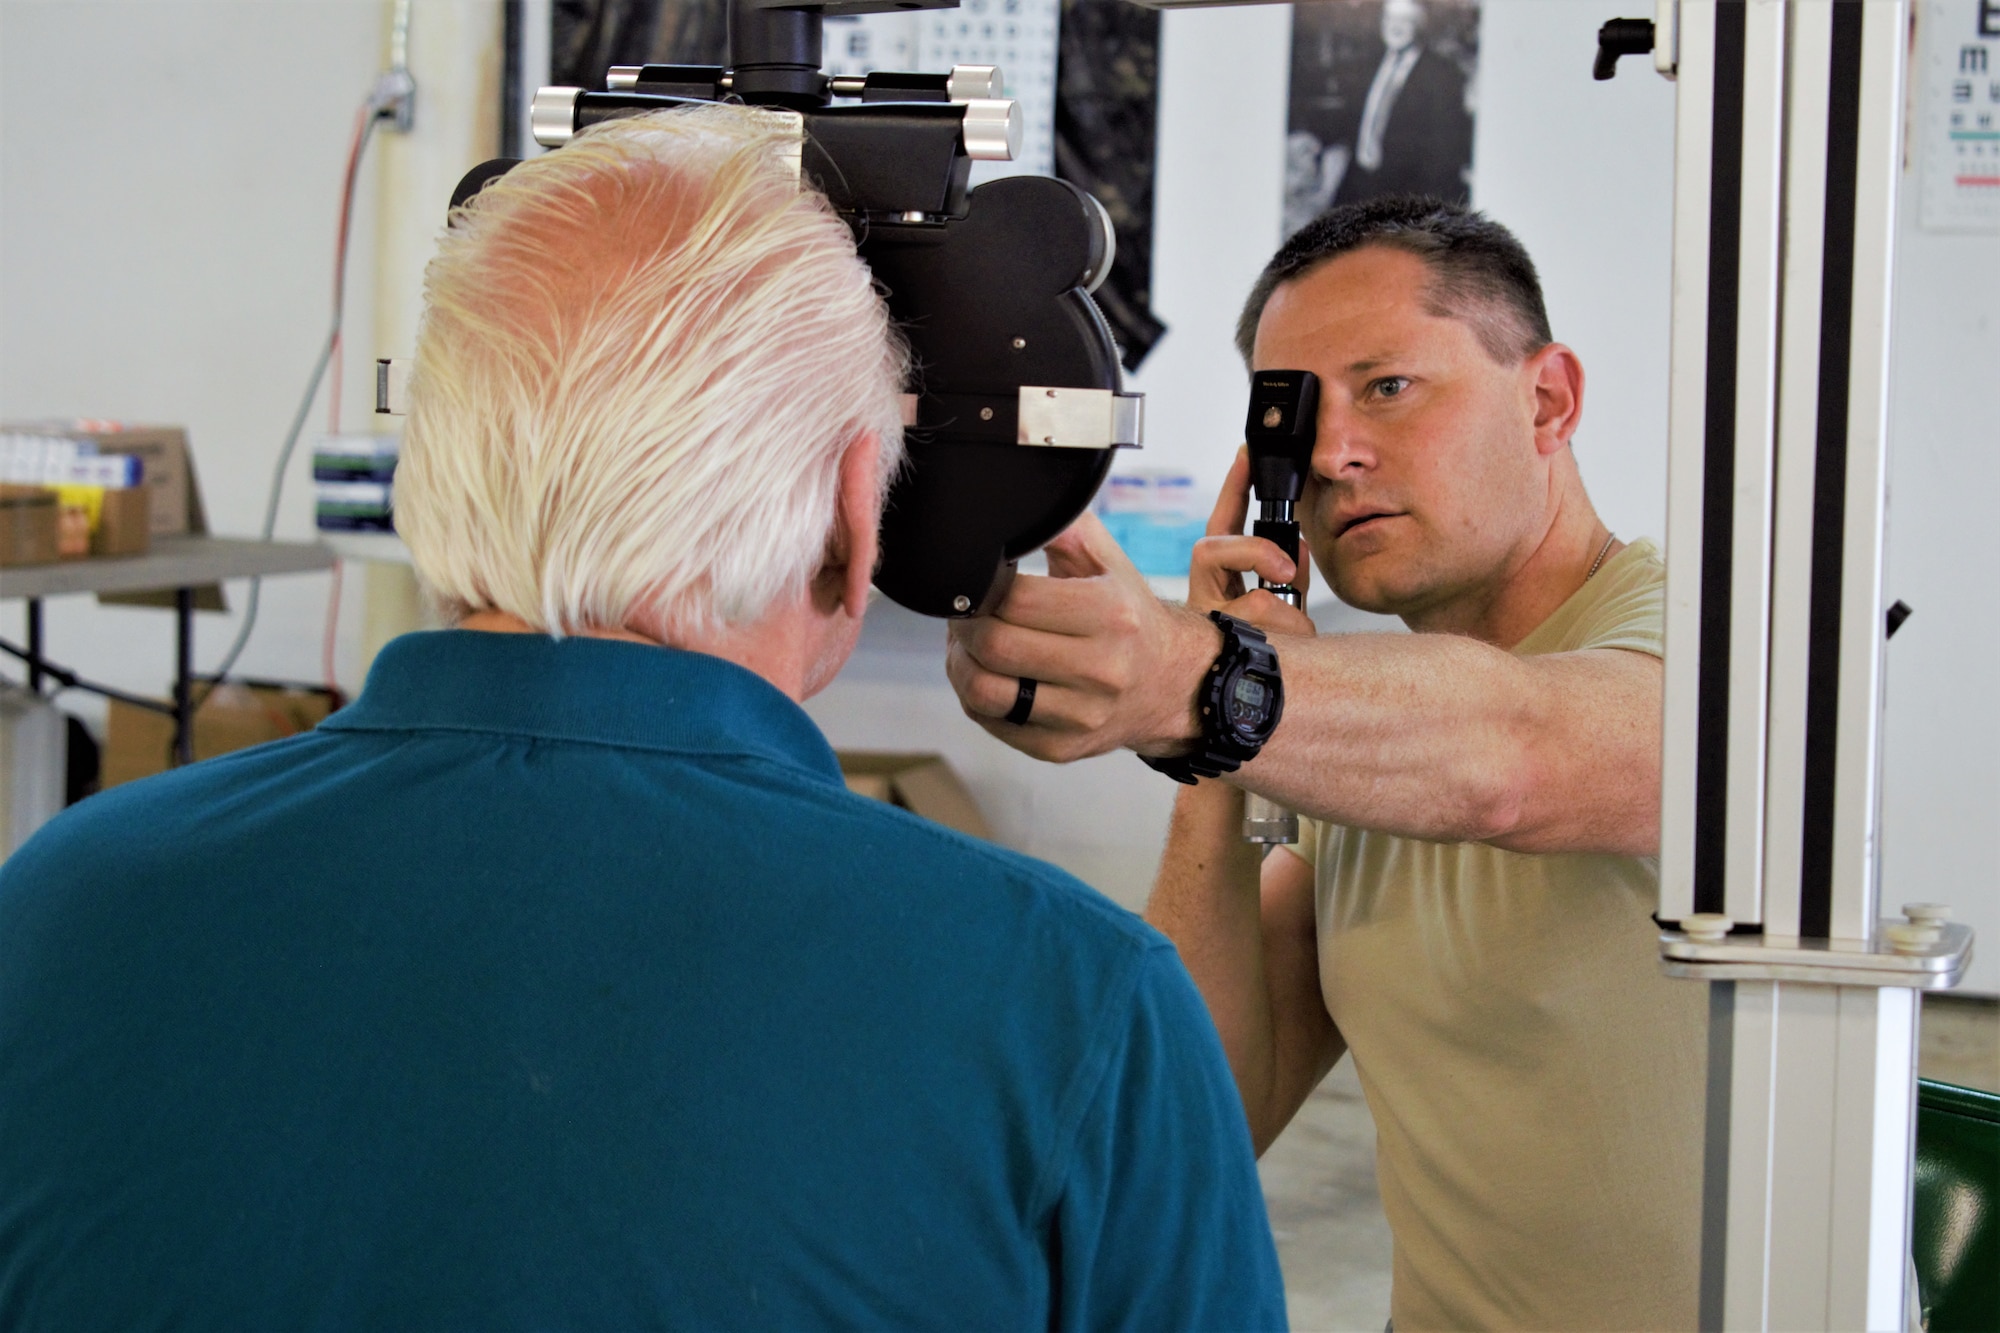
x,y
599,691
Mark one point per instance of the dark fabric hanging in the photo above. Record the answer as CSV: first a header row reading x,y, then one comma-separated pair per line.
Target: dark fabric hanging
x,y
590,36
1107,69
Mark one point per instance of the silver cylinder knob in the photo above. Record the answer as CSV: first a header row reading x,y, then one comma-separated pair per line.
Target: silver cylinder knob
x,y
966,82
992,129
623,78
552,115
1266,821
1094,278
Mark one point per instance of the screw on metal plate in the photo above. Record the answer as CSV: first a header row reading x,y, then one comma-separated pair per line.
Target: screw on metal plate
x,y
986,414
1923,926
1912,937
1019,343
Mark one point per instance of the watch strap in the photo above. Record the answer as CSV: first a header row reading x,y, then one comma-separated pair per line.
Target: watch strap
x,y
1191,768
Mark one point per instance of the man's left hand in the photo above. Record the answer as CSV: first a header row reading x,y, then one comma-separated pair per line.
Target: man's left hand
x,y
1225,555
1114,666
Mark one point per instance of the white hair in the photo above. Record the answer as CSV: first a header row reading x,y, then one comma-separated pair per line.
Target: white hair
x,y
642,359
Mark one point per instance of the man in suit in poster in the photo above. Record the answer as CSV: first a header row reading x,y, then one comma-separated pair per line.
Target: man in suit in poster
x,y
1406,130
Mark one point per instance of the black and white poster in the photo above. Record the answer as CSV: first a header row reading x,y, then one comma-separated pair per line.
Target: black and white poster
x,y
1382,102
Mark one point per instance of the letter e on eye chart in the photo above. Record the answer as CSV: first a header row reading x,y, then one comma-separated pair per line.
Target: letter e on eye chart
x,y
1958,129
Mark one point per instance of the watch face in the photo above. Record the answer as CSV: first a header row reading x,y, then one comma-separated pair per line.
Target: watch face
x,y
1247,704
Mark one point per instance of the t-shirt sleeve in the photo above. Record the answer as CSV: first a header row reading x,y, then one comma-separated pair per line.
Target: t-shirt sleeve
x,y
1307,847
1633,615
1160,1224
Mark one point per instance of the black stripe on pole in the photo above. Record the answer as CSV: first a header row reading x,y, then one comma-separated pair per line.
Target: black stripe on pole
x,y
513,33
1829,531
1718,484
1715,1154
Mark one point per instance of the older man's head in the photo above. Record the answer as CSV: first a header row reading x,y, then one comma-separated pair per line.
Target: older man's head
x,y
643,362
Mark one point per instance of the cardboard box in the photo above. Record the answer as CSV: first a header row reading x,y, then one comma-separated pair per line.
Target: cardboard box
x,y
175,508
30,526
102,521
140,743
923,784
123,526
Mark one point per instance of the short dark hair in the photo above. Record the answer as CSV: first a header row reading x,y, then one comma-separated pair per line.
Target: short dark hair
x,y
1479,271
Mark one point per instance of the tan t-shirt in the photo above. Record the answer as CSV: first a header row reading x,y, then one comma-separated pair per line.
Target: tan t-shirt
x,y
1536,1083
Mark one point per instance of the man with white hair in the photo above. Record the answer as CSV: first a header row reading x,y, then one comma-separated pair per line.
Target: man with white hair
x,y
559,980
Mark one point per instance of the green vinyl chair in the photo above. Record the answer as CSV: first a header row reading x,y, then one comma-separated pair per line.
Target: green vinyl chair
x,y
1956,1213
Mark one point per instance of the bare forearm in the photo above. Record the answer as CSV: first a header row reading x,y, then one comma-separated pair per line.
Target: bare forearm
x,y
1428,735
1246,930
1206,901
1444,738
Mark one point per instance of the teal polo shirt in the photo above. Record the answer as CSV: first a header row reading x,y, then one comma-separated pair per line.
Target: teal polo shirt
x,y
564,985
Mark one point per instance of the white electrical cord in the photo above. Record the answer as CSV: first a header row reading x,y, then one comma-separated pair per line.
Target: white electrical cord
x,y
371,111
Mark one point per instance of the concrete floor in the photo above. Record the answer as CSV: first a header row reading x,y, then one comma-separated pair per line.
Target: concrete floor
x,y
1319,1177
1319,1186
1960,1040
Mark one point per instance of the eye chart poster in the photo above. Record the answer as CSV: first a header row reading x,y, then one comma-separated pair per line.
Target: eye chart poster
x,y
1017,35
1958,123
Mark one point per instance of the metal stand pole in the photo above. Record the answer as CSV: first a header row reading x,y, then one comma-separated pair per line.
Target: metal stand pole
x,y
35,648
1816,1126
183,676
1787,162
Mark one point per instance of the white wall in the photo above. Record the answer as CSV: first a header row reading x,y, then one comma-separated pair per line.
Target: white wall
x,y
1941,719
203,303
1582,170
170,175
168,181
1583,173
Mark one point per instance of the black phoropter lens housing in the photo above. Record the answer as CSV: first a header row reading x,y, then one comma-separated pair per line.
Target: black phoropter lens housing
x,y
1016,371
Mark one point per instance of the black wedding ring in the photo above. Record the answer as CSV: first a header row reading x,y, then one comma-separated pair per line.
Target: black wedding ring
x,y
1024,702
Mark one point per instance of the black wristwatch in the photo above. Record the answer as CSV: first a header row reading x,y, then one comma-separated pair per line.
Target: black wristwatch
x,y
1241,699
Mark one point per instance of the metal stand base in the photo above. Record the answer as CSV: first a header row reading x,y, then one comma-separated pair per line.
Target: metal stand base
x,y
1937,966
1811,1119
